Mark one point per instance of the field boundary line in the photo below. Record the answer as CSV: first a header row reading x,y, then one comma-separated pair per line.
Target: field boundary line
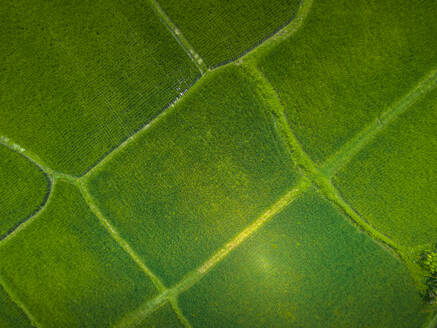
x,y
50,182
108,156
269,96
135,317
20,304
334,196
302,160
285,32
175,305
282,34
117,237
33,158
339,159
29,220
179,37
50,174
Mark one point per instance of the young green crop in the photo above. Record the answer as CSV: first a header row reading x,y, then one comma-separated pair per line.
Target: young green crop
x,y
68,271
308,267
222,31
196,177
80,77
390,181
23,189
348,62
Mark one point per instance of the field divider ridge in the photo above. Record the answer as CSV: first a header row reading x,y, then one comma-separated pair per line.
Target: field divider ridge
x,y
179,37
282,34
117,237
190,279
338,160
303,161
20,304
130,139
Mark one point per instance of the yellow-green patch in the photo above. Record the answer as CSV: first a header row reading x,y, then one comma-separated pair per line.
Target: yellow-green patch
x,y
349,61
23,189
308,268
67,270
391,182
80,77
197,177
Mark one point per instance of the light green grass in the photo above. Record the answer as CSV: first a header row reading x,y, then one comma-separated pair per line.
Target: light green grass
x,y
195,178
222,31
310,268
11,315
348,63
67,269
391,181
164,317
80,77
23,189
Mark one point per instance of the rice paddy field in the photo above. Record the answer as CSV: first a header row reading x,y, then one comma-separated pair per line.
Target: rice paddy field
x,y
218,164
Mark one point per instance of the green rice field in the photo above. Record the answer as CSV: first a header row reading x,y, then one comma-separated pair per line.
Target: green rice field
x,y
23,189
223,164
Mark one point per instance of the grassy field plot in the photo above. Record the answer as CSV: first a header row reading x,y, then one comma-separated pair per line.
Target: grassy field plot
x,y
348,63
23,189
10,314
391,182
221,31
308,267
197,177
79,77
68,271
164,317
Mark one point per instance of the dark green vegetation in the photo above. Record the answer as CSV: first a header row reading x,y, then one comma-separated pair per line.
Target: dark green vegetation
x,y
68,270
78,78
197,177
10,314
232,207
429,263
164,317
23,189
390,182
222,31
347,64
308,267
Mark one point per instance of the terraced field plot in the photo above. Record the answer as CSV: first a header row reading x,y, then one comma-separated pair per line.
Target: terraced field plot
x,y
292,187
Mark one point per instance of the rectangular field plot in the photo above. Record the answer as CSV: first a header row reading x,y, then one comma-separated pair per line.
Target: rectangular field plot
x,y
80,77
221,31
349,61
392,182
10,314
197,177
306,268
23,189
68,271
